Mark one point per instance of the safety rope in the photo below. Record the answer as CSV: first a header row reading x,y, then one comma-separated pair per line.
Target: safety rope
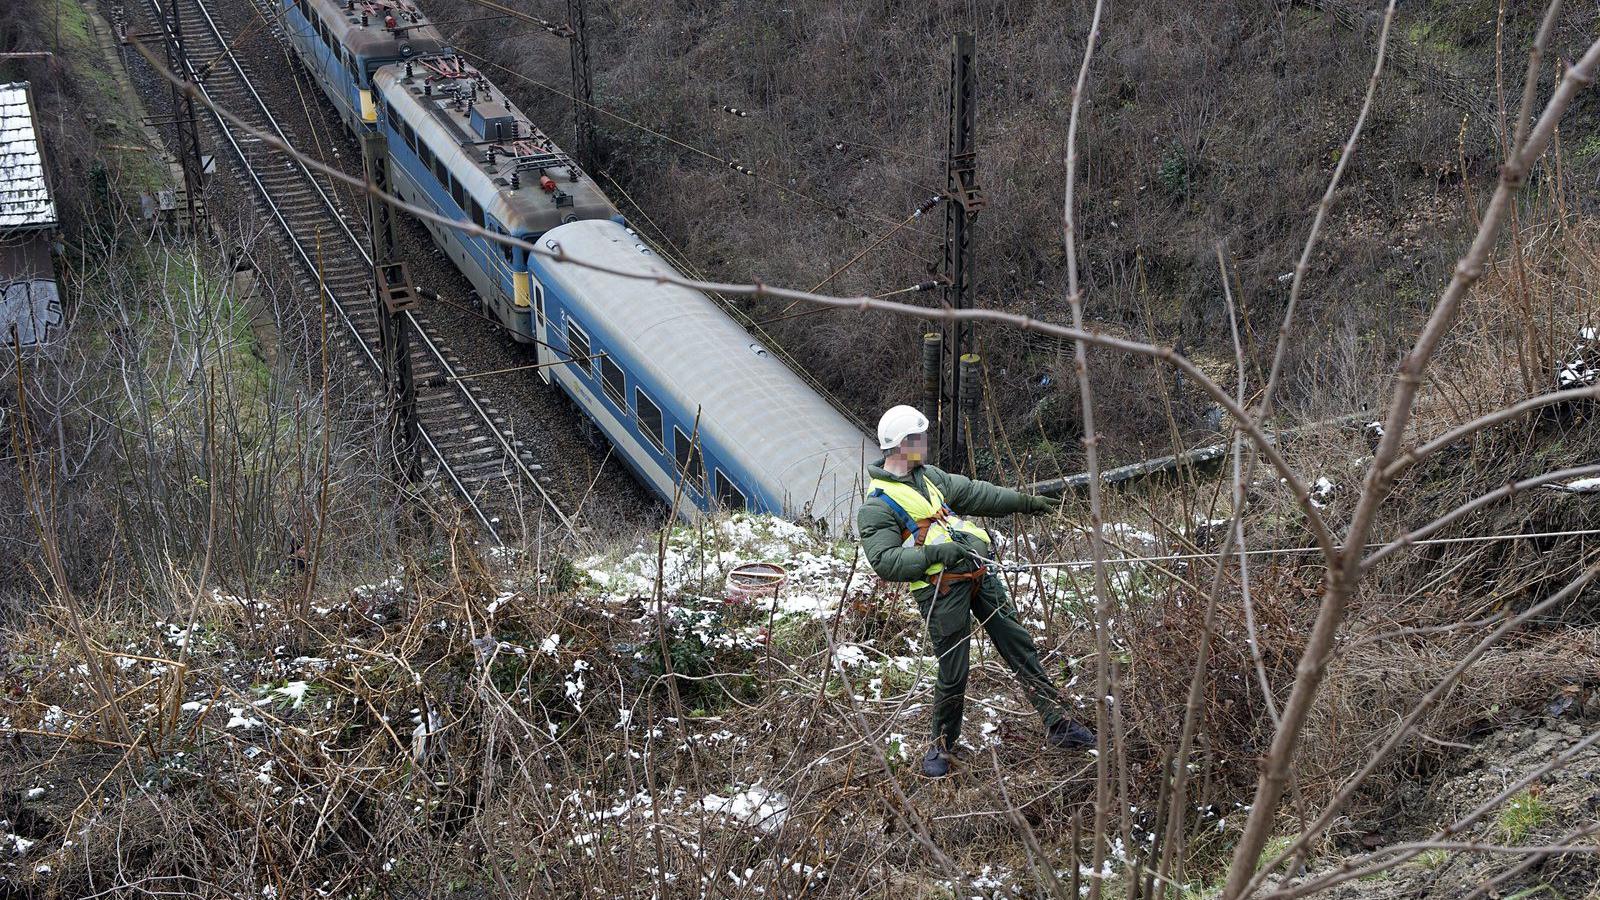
x,y
1268,551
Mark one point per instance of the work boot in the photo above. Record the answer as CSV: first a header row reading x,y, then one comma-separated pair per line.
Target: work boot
x,y
1069,735
935,763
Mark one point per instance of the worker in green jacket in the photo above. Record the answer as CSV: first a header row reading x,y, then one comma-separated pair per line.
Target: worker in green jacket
x,y
912,530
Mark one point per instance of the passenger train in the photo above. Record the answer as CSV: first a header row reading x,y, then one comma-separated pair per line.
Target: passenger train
x,y
697,408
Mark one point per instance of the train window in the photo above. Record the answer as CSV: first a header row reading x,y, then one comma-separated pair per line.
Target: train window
x,y
425,155
476,212
458,195
411,135
538,303
728,494
350,66
688,453
441,173
578,348
612,379
649,417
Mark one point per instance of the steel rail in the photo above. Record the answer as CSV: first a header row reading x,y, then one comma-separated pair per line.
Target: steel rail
x,y
297,242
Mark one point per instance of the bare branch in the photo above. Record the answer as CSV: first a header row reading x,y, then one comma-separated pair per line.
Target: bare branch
x,y
1091,458
1304,264
1352,868
1423,707
1345,570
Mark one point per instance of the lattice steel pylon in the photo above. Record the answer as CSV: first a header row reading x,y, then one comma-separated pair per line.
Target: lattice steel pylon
x,y
185,122
964,201
582,86
394,297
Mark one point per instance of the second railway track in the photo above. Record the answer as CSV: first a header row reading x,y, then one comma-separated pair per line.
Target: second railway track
x,y
460,431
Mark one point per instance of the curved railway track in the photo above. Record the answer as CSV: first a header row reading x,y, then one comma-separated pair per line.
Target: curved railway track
x,y
458,430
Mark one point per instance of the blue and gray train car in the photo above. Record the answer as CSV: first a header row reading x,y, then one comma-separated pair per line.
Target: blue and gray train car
x,y
691,400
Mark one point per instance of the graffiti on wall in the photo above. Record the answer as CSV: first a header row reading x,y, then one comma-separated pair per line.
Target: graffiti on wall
x,y
32,308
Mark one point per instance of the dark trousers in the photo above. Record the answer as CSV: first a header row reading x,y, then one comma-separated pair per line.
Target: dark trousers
x,y
949,620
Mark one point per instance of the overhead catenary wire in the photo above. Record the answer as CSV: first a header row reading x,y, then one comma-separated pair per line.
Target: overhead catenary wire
x,y
917,213
840,143
919,286
835,209
559,29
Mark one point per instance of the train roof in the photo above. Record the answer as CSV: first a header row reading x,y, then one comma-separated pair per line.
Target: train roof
x,y
380,29
752,405
451,104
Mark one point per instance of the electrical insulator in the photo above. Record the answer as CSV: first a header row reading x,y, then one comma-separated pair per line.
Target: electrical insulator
x,y
971,384
932,364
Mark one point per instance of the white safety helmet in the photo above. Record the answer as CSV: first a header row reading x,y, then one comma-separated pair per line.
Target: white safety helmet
x,y
898,422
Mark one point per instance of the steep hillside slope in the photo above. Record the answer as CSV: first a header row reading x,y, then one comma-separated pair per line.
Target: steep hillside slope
x,y
1205,122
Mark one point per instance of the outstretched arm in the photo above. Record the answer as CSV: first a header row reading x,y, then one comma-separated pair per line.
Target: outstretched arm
x,y
970,497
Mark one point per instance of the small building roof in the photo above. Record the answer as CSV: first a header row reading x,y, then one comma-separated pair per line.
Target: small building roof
x,y
24,195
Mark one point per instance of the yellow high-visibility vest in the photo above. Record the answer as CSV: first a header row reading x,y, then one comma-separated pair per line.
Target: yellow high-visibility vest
x,y
923,520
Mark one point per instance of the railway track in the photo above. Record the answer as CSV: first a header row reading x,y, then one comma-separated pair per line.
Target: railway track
x,y
460,431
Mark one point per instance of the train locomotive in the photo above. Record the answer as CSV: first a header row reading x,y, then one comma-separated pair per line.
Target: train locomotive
x,y
699,411
343,44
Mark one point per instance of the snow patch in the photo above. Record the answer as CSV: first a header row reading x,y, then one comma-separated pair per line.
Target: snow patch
x,y
755,806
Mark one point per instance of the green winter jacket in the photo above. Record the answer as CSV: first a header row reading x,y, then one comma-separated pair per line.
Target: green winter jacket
x,y
880,529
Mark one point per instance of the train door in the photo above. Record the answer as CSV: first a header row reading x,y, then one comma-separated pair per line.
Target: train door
x,y
541,331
